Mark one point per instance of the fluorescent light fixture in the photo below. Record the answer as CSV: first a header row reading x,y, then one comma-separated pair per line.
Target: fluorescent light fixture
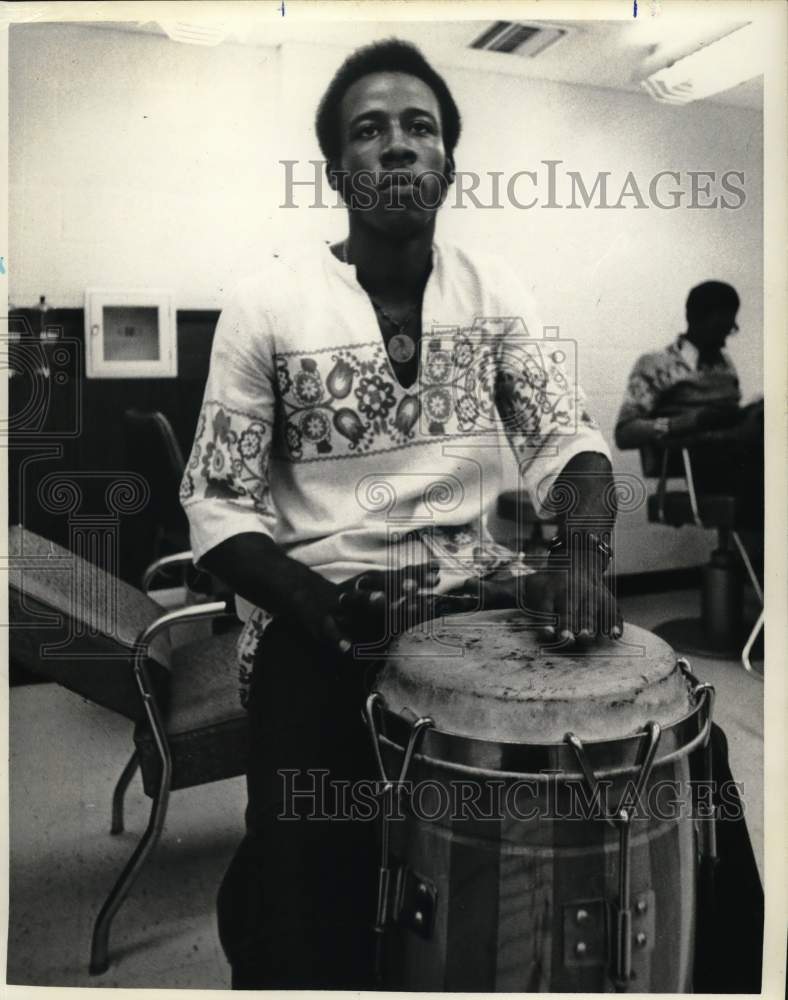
x,y
716,67
196,34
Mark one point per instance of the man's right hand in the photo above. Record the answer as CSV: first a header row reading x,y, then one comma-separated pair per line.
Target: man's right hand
x,y
368,607
364,607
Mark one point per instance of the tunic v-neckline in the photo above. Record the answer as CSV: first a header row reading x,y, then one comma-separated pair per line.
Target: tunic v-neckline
x,y
348,272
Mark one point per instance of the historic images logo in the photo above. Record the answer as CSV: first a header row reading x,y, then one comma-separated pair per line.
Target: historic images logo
x,y
550,185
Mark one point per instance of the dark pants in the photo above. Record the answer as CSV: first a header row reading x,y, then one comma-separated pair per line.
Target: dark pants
x,y
297,903
729,937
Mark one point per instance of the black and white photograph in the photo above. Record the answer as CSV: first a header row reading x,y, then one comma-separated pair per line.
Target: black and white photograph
x,y
395,441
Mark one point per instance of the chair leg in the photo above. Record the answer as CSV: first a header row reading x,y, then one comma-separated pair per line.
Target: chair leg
x,y
99,950
745,653
748,565
120,791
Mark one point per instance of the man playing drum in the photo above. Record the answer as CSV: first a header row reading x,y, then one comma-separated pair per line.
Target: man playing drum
x,y
345,459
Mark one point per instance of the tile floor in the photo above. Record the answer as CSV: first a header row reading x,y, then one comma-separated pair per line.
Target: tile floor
x,y
65,758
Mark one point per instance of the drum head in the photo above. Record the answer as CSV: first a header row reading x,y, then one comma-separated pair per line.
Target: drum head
x,y
487,675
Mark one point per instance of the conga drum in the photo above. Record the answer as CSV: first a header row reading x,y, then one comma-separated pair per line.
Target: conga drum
x,y
538,831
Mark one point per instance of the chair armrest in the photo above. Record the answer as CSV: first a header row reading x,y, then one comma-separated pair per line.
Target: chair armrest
x,y
180,616
194,612
166,562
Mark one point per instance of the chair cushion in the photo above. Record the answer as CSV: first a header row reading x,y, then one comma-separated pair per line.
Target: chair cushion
x,y
204,689
77,624
717,510
207,727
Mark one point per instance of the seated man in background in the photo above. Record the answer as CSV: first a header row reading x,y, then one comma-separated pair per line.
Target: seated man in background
x,y
691,389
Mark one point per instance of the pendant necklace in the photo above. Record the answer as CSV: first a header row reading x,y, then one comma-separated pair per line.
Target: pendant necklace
x,y
401,347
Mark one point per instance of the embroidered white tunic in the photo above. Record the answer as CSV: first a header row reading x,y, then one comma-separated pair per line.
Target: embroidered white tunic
x,y
306,435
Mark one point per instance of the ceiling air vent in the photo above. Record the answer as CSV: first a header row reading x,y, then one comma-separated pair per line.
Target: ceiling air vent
x,y
521,39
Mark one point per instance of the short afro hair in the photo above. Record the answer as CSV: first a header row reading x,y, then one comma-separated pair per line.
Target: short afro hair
x,y
389,56
711,296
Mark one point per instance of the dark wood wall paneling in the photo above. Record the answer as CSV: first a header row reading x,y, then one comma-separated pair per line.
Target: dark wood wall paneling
x,y
99,444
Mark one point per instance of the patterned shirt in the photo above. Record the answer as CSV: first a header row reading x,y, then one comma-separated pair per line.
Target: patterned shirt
x,y
669,382
306,435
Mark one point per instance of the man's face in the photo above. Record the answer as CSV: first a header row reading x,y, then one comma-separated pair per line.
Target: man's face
x,y
393,158
715,327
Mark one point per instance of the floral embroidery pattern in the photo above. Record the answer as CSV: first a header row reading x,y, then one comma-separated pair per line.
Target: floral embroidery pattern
x,y
246,648
469,551
284,381
534,396
345,401
308,387
438,364
375,397
437,405
229,458
336,402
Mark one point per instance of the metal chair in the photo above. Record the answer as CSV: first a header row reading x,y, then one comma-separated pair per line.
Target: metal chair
x,y
719,630
87,630
748,646
152,451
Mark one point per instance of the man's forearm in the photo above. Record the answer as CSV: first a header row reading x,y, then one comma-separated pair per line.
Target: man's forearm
x,y
583,498
584,492
256,568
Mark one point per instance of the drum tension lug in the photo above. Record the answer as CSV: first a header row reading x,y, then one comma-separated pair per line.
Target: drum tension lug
x,y
623,937
412,903
585,933
415,902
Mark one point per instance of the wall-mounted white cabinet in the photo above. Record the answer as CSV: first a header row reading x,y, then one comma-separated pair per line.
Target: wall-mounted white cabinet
x,y
130,334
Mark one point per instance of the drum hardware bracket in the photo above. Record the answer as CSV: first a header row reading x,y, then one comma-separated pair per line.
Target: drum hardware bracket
x,y
622,820
587,924
415,902
407,886
585,933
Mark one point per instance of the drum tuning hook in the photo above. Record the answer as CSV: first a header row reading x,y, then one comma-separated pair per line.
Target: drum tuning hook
x,y
391,789
418,727
699,690
372,702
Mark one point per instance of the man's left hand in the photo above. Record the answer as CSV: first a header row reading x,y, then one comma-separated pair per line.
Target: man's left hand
x,y
579,602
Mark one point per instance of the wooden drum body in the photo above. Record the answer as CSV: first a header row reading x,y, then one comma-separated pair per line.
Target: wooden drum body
x,y
543,837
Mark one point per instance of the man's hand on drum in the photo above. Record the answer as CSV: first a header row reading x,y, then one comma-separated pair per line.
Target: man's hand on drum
x,y
378,605
576,604
573,600
372,606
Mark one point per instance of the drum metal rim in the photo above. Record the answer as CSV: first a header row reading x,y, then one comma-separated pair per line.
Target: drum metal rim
x,y
546,761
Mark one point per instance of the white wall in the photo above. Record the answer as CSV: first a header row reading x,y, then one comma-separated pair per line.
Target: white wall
x,y
139,161
136,161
